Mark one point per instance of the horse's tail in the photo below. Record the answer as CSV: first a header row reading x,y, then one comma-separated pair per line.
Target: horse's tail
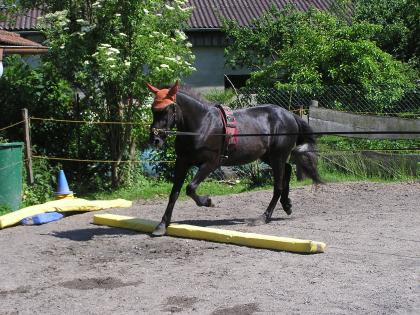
x,y
304,154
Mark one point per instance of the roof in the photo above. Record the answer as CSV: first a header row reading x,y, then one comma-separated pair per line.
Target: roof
x,y
204,16
205,13
13,39
25,21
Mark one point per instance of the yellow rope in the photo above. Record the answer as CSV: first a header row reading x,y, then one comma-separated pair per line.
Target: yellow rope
x,y
173,161
15,124
99,161
91,122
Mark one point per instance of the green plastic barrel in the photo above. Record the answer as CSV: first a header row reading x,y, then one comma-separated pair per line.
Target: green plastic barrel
x,y
11,174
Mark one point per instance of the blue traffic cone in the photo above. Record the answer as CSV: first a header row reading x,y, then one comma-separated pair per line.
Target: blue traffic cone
x,y
62,186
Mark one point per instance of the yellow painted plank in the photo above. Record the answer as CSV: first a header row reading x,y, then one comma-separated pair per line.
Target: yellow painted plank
x,y
62,205
215,235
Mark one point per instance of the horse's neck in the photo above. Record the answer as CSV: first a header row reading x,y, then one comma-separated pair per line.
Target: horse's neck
x,y
193,112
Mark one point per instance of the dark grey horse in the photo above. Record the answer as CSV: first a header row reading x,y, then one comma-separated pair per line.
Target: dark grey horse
x,y
180,109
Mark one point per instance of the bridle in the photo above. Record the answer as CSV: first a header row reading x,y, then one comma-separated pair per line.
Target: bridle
x,y
158,131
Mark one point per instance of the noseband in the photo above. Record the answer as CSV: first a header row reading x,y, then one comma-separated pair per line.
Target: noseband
x,y
157,131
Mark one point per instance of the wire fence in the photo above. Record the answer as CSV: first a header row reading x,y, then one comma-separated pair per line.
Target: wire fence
x,y
401,101
348,98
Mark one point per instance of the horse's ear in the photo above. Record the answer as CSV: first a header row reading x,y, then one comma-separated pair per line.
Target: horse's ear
x,y
174,89
152,88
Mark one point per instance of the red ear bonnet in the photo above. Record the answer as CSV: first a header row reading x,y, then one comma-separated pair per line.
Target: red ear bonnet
x,y
164,97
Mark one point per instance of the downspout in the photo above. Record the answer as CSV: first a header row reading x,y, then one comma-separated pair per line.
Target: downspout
x,y
1,62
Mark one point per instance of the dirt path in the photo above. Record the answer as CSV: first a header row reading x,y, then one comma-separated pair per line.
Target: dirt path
x,y
371,265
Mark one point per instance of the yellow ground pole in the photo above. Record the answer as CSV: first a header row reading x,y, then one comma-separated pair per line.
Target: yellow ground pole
x,y
215,235
61,205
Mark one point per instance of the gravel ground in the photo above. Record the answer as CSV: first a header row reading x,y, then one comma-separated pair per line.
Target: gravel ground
x,y
371,265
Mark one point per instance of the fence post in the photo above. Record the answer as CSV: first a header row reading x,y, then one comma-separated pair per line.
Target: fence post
x,y
301,111
28,148
313,103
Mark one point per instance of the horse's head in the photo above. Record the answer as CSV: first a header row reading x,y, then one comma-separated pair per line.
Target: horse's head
x,y
164,113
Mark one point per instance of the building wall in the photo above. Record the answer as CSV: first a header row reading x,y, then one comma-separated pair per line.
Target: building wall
x,y
211,69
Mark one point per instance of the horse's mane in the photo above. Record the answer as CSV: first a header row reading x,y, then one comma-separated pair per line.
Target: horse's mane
x,y
191,92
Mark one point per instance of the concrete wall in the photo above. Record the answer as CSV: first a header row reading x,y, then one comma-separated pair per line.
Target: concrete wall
x,y
322,119
210,65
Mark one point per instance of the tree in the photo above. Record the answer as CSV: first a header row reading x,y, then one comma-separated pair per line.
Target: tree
x,y
7,6
289,48
107,50
400,24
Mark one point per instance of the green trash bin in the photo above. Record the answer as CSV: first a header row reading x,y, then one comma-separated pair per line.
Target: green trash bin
x,y
11,174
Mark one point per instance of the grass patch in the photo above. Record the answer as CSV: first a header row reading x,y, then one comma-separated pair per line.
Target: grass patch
x,y
4,209
154,189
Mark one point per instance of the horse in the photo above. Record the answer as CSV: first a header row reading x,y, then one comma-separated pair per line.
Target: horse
x,y
201,141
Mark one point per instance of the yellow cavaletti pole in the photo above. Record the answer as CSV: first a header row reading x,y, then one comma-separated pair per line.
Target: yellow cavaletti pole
x,y
215,235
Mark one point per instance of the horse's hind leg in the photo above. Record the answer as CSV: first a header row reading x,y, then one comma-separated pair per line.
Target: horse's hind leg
x,y
277,164
202,173
284,199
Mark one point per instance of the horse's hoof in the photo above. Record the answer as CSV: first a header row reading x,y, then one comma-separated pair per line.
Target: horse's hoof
x,y
287,206
159,230
257,221
209,203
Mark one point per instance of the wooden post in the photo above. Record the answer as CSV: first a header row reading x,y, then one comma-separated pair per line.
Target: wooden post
x,y
28,148
301,111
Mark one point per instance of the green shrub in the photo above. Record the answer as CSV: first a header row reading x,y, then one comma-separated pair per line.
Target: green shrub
x,y
224,97
44,183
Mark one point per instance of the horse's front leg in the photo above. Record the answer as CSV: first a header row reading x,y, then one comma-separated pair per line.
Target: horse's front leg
x,y
181,169
202,173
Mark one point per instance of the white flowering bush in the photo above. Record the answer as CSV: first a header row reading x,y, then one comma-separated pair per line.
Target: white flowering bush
x,y
108,49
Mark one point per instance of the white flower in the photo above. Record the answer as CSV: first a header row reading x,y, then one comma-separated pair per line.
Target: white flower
x,y
164,66
122,34
113,50
146,11
127,63
181,35
169,7
158,14
111,59
117,14
189,45
105,45
62,47
86,62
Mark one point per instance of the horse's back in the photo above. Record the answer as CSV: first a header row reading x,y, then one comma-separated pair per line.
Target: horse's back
x,y
266,118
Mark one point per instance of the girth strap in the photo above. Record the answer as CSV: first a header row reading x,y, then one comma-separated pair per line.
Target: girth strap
x,y
230,129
